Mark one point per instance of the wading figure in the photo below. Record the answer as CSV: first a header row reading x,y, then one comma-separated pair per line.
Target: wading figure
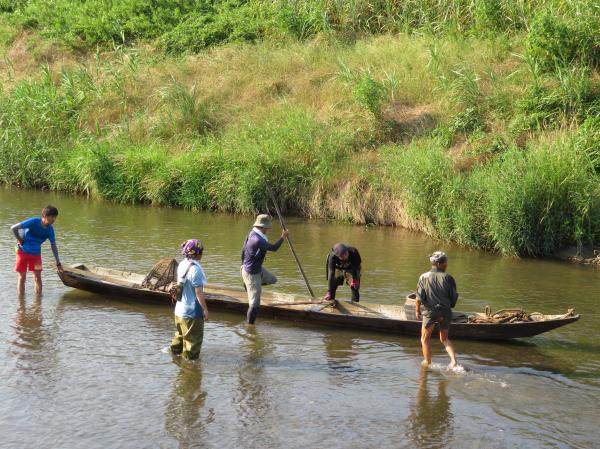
x,y
343,265
253,255
436,292
30,235
191,310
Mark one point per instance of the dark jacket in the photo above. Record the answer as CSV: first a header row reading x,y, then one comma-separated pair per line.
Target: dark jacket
x,y
254,252
352,266
437,290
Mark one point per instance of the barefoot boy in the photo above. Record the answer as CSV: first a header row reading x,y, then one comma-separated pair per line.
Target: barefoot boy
x,y
30,235
436,292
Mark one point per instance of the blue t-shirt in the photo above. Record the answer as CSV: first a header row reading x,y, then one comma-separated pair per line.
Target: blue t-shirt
x,y
189,307
34,234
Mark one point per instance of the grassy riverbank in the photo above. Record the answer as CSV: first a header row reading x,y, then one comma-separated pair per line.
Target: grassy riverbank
x,y
477,123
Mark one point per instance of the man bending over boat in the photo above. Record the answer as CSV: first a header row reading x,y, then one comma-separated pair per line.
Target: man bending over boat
x,y
30,235
343,265
436,292
191,310
253,255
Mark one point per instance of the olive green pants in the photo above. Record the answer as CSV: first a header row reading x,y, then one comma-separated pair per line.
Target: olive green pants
x,y
188,338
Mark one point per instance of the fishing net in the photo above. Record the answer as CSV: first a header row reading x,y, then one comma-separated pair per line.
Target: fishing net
x,y
162,275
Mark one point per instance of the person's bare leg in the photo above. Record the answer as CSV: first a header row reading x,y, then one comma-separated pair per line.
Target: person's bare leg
x,y
21,284
449,348
37,280
425,338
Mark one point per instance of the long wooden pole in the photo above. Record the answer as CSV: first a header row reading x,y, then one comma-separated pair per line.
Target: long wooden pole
x,y
289,240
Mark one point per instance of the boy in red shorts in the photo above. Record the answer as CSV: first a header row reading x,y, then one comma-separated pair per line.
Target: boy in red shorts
x,y
30,235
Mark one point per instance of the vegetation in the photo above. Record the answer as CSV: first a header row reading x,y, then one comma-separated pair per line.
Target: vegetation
x,y
474,121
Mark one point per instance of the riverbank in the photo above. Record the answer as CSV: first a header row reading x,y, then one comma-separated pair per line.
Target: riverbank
x,y
487,136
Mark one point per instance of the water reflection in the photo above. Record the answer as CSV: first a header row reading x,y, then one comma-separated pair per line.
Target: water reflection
x,y
340,352
431,423
183,414
29,334
253,401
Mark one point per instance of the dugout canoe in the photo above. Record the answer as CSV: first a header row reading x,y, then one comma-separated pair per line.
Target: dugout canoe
x,y
392,319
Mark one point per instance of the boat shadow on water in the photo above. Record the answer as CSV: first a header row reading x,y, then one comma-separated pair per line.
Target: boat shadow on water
x,y
340,344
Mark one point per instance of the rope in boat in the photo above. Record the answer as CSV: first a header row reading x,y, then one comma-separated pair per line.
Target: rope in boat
x,y
511,316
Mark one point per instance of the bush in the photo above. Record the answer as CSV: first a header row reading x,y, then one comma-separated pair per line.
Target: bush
x,y
37,118
93,22
419,172
117,171
289,151
523,203
541,200
566,96
232,21
588,140
553,41
368,92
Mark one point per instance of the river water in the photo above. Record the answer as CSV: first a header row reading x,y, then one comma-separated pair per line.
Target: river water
x,y
82,370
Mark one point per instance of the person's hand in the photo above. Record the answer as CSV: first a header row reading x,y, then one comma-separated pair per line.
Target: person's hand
x,y
327,296
205,311
20,242
418,314
60,268
284,233
354,284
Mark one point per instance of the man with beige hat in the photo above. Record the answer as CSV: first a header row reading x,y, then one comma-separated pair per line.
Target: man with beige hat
x,y
253,255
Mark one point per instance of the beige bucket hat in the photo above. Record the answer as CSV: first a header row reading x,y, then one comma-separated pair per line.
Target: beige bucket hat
x,y
263,221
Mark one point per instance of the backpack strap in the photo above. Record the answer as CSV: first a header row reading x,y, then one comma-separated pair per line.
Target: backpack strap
x,y
187,271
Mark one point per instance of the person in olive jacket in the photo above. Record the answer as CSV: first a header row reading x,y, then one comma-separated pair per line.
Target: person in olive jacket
x,y
436,296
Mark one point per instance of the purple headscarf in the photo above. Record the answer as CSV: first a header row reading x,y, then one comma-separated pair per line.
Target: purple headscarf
x,y
193,247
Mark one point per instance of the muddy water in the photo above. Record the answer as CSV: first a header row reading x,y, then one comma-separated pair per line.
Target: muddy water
x,y
82,370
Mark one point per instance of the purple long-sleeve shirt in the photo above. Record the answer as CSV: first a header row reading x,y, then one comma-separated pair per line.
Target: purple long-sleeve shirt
x,y
254,252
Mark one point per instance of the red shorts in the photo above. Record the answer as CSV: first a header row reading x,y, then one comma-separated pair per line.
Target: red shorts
x,y
27,261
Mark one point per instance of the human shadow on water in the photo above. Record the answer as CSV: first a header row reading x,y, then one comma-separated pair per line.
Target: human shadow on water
x,y
431,422
340,352
253,401
184,409
30,337
28,324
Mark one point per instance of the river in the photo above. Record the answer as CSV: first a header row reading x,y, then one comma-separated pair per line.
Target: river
x,y
82,370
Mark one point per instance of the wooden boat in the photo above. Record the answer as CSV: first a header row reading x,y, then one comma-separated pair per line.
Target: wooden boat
x,y
395,319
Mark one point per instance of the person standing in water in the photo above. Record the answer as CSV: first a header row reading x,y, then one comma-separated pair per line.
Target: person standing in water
x,y
30,235
253,256
436,293
191,310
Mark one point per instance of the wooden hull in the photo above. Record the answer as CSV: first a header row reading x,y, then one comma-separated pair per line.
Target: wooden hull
x,y
375,317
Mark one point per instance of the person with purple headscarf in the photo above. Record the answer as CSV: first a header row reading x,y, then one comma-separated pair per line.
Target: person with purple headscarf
x,y
191,310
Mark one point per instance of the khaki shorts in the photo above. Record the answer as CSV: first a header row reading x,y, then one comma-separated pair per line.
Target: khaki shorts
x,y
443,318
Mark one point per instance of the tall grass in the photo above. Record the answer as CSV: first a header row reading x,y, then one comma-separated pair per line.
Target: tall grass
x,y
524,202
36,120
287,152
